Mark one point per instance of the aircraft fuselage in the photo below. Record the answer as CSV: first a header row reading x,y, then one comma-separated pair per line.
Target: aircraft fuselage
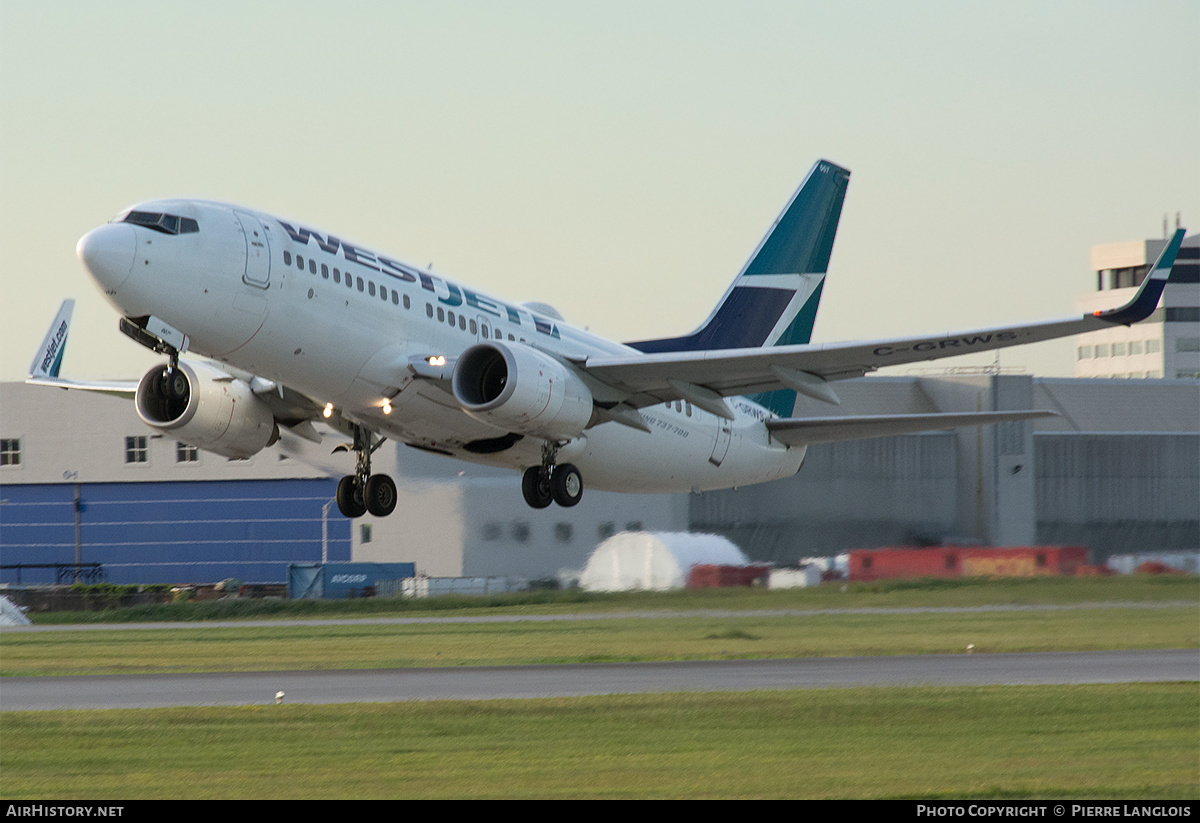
x,y
342,324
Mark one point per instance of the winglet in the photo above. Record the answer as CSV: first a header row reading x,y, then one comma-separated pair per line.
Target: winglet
x,y
1147,297
48,360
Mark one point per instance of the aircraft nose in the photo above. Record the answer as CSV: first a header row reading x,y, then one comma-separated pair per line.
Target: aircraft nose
x,y
108,253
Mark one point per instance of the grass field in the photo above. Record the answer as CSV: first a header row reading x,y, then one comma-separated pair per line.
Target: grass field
x,y
1110,741
213,648
1128,741
883,594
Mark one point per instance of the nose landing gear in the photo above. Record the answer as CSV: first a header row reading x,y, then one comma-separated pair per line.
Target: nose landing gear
x,y
362,491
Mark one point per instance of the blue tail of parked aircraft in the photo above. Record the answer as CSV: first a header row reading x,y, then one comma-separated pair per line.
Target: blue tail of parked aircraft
x,y
773,300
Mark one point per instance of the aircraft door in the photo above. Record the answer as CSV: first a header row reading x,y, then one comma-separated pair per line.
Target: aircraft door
x,y
258,253
721,447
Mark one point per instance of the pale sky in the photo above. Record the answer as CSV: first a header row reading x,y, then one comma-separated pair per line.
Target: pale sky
x,y
618,160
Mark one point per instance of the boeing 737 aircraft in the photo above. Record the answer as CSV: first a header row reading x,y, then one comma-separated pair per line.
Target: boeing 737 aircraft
x,y
298,326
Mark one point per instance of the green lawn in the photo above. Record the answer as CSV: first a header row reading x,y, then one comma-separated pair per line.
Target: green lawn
x,y
1105,741
832,634
1112,741
881,594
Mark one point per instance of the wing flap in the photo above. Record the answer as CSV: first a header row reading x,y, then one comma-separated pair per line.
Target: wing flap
x,y
805,431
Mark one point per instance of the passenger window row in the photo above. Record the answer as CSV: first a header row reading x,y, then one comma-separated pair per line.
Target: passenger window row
x,y
464,323
367,286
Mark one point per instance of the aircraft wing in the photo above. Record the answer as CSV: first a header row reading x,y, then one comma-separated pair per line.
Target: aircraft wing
x,y
706,376
292,409
43,371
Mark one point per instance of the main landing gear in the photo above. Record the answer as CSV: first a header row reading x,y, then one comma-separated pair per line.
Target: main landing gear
x,y
362,491
551,482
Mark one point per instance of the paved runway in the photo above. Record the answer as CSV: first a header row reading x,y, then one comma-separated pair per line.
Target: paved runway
x,y
491,682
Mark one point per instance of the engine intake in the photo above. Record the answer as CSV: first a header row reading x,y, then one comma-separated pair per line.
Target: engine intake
x,y
201,406
520,389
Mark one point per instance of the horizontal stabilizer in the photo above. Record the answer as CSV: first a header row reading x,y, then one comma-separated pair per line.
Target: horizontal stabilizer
x,y
804,431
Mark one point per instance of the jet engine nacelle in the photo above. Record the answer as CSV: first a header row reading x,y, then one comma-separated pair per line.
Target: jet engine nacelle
x,y
519,389
202,406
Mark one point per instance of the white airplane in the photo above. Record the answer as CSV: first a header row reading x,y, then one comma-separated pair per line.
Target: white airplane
x,y
299,326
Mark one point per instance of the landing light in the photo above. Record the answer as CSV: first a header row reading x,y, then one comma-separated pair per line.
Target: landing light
x,y
437,360
387,407
328,411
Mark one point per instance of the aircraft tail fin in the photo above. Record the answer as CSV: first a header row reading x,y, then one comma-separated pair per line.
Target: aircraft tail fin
x,y
48,360
773,301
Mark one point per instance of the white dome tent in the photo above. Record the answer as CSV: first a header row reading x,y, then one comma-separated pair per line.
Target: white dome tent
x,y
654,561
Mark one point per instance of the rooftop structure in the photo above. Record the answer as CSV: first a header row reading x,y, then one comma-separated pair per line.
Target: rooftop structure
x,y
1168,344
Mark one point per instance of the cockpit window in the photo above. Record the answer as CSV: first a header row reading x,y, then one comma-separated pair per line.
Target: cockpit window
x,y
165,223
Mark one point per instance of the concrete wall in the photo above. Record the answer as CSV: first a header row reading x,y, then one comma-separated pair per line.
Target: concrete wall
x,y
1116,494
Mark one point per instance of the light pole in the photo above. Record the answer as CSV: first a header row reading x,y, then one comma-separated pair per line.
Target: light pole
x,y
325,532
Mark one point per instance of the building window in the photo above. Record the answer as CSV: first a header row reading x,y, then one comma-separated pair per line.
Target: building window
x,y
520,531
10,451
186,454
491,531
1187,344
1135,347
1102,350
606,530
562,532
1085,352
136,449
365,532
1118,349
1153,346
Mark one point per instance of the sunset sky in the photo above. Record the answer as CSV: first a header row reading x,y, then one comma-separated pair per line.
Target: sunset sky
x,y
618,160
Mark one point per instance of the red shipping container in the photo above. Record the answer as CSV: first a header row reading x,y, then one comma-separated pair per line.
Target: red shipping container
x,y
710,576
966,561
